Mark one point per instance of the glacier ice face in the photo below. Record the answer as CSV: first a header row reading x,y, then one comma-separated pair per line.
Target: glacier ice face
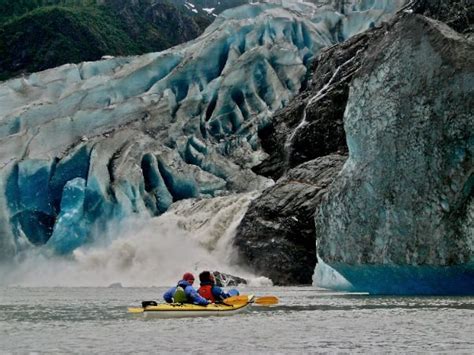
x,y
400,217
144,132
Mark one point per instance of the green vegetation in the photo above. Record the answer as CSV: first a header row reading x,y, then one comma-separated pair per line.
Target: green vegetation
x,y
40,34
10,9
51,36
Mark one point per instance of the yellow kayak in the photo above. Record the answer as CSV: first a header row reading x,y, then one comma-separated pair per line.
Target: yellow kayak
x,y
178,310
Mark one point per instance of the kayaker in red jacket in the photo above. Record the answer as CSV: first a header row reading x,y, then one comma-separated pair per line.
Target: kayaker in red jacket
x,y
210,291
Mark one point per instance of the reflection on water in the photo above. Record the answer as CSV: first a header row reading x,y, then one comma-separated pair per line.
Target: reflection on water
x,y
94,320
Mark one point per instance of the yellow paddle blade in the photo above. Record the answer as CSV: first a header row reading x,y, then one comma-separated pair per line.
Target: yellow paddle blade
x,y
266,300
231,301
135,310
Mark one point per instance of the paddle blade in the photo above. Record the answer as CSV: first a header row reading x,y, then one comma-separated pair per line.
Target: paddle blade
x,y
231,301
266,300
135,310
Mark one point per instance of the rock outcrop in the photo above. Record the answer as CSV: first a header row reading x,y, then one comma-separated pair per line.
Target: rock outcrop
x,y
458,14
227,280
404,200
311,125
276,236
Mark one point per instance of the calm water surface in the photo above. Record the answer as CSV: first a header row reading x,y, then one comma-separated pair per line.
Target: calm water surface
x,y
94,320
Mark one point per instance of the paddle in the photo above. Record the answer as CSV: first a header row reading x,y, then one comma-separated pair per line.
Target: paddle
x,y
235,300
264,300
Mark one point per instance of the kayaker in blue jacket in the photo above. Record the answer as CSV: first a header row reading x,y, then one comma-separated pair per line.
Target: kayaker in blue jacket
x,y
210,291
184,292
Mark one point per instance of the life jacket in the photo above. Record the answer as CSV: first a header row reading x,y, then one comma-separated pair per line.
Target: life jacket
x,y
179,295
206,292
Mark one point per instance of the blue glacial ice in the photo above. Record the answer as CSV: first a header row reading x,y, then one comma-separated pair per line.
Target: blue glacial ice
x,y
70,230
86,145
397,279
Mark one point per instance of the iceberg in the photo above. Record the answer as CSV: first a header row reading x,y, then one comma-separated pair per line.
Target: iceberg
x,y
86,145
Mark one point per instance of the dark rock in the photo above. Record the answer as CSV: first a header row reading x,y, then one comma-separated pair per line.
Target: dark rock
x,y
115,285
458,14
225,280
276,236
311,125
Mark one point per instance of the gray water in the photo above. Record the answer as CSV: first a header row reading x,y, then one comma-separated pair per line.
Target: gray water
x,y
307,320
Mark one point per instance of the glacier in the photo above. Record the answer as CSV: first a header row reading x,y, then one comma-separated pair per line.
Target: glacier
x,y
87,146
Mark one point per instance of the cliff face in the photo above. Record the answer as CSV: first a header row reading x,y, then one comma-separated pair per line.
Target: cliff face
x,y
405,196
415,232
206,7
457,14
157,25
276,236
312,125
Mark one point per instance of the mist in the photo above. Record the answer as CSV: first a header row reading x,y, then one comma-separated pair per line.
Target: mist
x,y
192,236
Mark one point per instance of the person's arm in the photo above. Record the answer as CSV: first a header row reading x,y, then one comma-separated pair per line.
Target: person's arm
x,y
195,297
219,293
168,296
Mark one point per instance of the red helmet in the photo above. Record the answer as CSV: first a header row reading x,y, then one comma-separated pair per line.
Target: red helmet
x,y
188,276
